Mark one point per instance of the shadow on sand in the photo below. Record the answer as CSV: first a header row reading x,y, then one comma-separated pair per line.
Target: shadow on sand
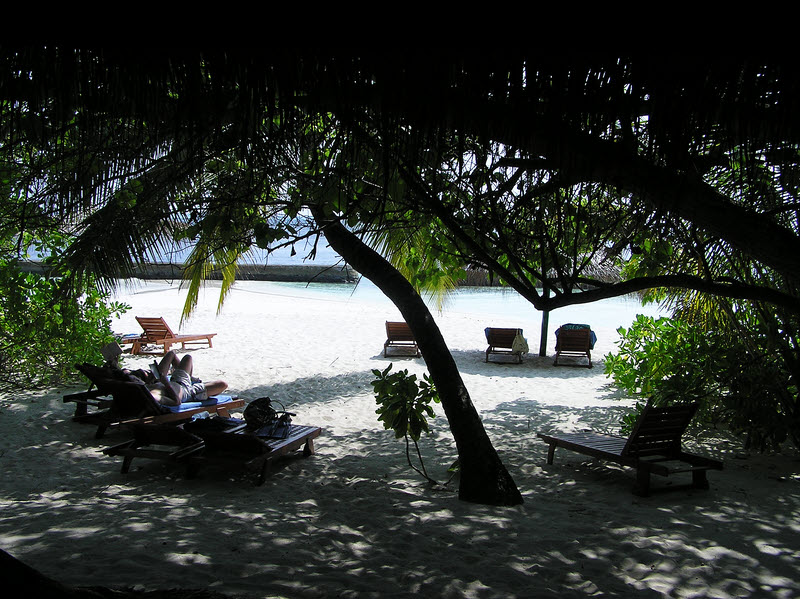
x,y
352,521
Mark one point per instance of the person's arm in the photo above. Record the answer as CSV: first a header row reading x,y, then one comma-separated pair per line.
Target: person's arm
x,y
170,392
173,391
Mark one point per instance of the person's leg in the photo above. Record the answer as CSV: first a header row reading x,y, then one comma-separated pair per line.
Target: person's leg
x,y
175,392
179,386
186,364
170,360
215,387
180,383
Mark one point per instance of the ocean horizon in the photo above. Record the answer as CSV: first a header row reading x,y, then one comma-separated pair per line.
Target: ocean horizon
x,y
493,304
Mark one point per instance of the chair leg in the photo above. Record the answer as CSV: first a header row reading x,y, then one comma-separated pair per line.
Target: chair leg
x,y
642,487
308,449
81,409
699,479
126,464
551,452
265,470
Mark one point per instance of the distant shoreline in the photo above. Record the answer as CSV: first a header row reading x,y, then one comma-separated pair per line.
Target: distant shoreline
x,y
252,272
289,273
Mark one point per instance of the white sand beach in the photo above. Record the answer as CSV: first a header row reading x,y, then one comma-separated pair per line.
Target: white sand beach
x,y
353,520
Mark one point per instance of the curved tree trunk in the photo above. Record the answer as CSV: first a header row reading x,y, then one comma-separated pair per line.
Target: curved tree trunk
x,y
21,580
484,478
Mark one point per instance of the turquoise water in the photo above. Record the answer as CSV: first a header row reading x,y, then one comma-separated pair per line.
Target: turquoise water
x,y
486,302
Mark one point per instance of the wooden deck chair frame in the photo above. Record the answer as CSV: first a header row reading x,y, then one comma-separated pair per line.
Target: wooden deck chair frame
x,y
574,342
255,453
501,342
157,442
91,398
196,450
654,447
131,403
158,333
94,397
399,336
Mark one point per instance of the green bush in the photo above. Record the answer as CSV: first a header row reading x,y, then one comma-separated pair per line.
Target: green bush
x,y
46,326
662,358
736,381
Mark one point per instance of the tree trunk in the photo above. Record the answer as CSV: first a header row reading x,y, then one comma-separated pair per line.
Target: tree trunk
x,y
484,478
545,325
20,580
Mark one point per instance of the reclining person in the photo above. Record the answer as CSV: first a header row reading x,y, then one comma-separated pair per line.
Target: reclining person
x,y
171,389
181,387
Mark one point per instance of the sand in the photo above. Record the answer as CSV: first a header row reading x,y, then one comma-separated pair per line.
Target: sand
x,y
353,520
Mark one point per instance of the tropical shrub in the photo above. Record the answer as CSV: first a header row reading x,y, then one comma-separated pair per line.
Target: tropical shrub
x,y
404,406
741,382
45,328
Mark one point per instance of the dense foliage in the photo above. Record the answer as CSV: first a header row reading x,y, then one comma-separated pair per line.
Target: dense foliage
x,y
743,381
47,327
572,178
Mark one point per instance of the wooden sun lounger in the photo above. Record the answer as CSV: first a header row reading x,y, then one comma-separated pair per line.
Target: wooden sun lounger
x,y
501,342
157,442
198,448
574,340
399,335
83,400
125,403
93,396
219,404
157,332
254,452
654,447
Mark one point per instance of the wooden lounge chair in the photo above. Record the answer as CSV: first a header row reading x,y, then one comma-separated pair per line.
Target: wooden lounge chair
x,y
131,403
158,442
83,400
157,332
574,340
399,335
254,452
501,342
93,396
200,448
654,447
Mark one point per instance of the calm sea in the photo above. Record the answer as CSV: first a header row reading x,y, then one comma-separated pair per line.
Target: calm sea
x,y
487,302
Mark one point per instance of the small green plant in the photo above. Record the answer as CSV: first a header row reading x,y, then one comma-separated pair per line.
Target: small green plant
x,y
404,406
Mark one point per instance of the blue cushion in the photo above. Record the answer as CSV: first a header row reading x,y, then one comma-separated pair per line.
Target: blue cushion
x,y
192,405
